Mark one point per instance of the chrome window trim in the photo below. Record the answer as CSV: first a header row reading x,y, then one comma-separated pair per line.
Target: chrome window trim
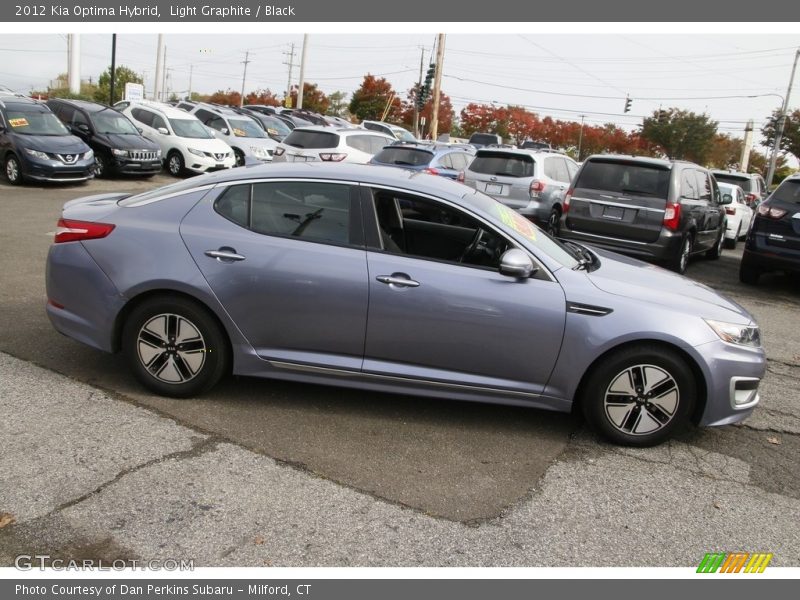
x,y
618,204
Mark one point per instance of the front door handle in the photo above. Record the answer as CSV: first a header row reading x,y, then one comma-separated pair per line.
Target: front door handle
x,y
399,281
224,254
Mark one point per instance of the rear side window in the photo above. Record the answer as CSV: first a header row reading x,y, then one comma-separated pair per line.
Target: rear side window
x,y
624,178
371,144
312,139
503,163
555,168
788,191
408,157
689,188
312,211
703,185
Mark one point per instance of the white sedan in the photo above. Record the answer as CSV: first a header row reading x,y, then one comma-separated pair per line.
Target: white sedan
x,y
739,214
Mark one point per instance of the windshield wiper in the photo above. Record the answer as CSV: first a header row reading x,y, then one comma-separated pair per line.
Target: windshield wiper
x,y
581,254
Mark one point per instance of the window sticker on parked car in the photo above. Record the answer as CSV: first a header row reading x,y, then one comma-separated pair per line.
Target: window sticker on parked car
x,y
239,132
517,222
22,122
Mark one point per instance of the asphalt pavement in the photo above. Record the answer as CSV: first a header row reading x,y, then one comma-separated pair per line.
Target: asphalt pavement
x,y
272,473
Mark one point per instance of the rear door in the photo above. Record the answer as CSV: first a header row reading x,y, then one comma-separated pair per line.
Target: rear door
x,y
620,198
506,176
710,214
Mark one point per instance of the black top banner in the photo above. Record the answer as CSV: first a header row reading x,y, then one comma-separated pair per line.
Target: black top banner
x,y
464,11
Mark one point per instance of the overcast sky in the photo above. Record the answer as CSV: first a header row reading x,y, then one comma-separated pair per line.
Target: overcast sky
x,y
558,75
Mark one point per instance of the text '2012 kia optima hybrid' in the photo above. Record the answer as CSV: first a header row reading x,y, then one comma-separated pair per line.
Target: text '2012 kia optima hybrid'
x,y
383,279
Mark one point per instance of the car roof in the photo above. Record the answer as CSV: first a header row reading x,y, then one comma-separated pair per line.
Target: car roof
x,y
22,102
660,162
734,173
166,109
84,104
340,130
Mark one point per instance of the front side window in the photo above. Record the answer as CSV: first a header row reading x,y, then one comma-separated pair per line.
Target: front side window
x,y
311,211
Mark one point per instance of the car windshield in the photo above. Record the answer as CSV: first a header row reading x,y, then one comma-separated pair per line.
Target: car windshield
x,y
189,128
522,226
503,164
743,182
403,135
788,191
246,128
406,157
35,122
624,178
110,121
275,126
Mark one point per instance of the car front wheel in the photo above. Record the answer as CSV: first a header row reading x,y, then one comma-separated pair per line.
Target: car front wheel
x,y
13,170
639,396
174,347
175,164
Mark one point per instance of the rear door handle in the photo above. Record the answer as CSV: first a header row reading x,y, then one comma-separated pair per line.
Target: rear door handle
x,y
225,254
399,281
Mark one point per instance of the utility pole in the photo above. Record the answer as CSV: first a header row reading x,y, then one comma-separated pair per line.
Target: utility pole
x,y
113,68
437,87
779,129
159,68
74,72
164,96
419,89
747,146
302,72
191,68
244,75
290,62
580,137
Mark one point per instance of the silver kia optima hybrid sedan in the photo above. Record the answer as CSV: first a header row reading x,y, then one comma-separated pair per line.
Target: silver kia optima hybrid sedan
x,y
388,280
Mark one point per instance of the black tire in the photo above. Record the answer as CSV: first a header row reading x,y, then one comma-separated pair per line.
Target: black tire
x,y
175,164
748,274
13,170
239,156
100,166
626,419
175,347
716,251
679,262
553,222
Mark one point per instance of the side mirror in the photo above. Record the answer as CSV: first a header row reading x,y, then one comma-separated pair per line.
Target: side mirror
x,y
726,199
163,130
83,127
224,131
515,263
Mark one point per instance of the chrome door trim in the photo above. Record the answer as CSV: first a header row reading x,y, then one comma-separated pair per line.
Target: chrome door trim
x,y
620,205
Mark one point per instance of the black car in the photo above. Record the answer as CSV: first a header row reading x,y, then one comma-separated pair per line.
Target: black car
x,y
479,140
35,145
773,242
119,147
272,125
653,209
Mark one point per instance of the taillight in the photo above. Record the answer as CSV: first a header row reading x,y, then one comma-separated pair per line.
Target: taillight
x,y
69,230
750,198
567,198
672,216
460,177
332,156
279,151
537,187
730,211
772,213
431,170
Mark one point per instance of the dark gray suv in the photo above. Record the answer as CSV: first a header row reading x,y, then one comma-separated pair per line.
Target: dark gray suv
x,y
650,208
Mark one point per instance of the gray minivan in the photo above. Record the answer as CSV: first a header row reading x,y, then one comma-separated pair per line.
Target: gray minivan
x,y
531,182
650,208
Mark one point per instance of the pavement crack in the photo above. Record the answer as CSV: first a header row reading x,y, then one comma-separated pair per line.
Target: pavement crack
x,y
199,446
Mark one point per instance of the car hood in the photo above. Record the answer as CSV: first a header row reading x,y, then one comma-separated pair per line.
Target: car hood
x,y
128,141
631,278
207,145
57,144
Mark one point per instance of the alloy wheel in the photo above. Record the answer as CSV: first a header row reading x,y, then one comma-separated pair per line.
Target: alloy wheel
x,y
686,250
174,165
641,400
12,169
171,348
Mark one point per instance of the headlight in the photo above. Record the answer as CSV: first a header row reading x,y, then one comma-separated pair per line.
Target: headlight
x,y
158,153
37,154
741,335
116,152
88,155
258,151
196,152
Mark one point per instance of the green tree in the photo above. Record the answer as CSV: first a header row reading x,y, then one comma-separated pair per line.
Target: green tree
x,y
790,142
314,99
680,134
371,99
338,104
122,75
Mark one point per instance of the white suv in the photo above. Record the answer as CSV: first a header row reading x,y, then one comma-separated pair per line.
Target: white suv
x,y
330,144
186,144
240,131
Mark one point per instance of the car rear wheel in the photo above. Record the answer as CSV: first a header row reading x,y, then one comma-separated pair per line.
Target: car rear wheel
x,y
13,170
639,396
748,274
681,261
731,243
553,222
174,347
716,251
175,164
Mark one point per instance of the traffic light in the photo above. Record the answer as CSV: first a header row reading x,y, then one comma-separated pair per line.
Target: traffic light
x,y
662,116
628,104
423,93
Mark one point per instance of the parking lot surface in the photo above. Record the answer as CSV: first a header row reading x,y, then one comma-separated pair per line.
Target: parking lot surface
x,y
271,473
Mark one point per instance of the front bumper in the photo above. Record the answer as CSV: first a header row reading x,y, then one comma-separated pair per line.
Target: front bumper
x,y
732,374
204,164
55,171
126,166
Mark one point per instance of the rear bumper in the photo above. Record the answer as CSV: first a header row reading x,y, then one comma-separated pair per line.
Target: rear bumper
x,y
667,246
769,257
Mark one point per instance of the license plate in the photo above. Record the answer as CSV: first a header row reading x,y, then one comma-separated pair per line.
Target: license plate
x,y
220,165
494,188
613,212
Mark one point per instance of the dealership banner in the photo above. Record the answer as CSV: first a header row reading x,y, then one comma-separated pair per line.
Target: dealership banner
x,y
465,11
